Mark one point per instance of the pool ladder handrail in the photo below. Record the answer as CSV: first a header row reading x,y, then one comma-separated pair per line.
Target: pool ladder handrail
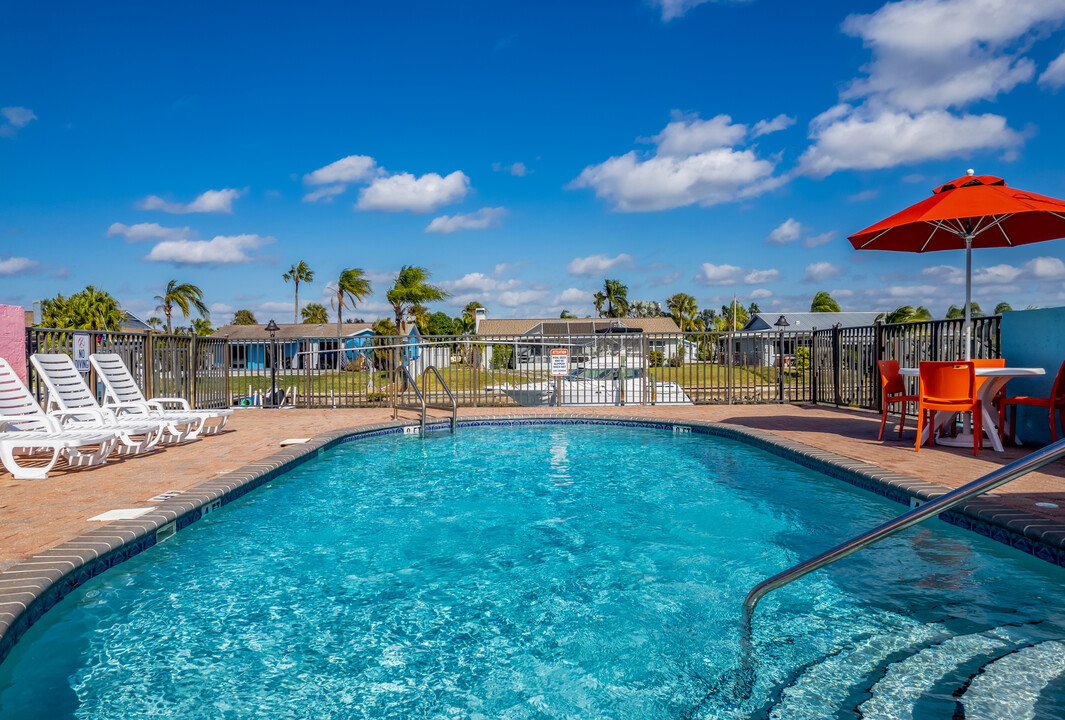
x,y
990,481
403,372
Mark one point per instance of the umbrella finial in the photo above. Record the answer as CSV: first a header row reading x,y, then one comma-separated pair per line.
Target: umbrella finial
x,y
970,172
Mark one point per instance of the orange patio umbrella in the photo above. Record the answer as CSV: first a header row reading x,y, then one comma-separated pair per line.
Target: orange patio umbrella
x,y
972,211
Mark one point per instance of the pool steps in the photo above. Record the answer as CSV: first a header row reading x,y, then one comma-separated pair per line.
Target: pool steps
x,y
894,675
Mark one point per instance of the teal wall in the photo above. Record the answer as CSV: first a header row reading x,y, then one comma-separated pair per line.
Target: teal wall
x,y
1034,338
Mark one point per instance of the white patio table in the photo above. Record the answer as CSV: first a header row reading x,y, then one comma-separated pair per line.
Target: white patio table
x,y
996,379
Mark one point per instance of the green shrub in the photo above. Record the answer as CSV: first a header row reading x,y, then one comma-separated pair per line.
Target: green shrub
x,y
501,356
655,358
678,359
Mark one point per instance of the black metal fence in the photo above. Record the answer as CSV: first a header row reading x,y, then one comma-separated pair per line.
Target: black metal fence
x,y
834,366
845,369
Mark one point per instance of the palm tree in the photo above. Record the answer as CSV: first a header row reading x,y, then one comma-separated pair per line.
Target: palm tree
x,y
599,299
90,309
315,313
684,309
566,315
420,314
351,287
823,302
956,313
906,314
186,296
1003,307
469,316
617,298
244,317
411,288
298,273
154,322
201,327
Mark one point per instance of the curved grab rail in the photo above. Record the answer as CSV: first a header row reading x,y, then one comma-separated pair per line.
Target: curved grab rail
x,y
454,408
992,480
401,373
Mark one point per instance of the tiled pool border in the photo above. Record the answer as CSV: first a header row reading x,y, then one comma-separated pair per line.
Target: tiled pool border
x,y
33,586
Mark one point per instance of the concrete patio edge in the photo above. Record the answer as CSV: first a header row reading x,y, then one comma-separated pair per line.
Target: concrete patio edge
x,y
33,586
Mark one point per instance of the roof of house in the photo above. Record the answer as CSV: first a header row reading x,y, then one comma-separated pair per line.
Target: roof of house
x,y
810,320
570,326
291,330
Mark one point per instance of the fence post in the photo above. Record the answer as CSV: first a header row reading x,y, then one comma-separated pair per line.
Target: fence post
x,y
149,380
878,354
837,364
193,365
226,359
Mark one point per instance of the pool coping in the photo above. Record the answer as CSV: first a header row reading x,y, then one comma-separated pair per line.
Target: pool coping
x,y
33,586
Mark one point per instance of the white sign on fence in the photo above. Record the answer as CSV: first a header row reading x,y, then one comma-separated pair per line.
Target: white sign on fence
x,y
559,362
81,352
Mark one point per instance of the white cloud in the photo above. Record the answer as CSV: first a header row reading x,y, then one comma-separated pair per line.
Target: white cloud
x,y
1045,268
483,219
815,240
710,274
405,192
943,53
19,265
764,127
864,195
847,138
673,9
212,201
694,163
1054,75
595,265
1040,269
757,277
573,296
221,250
479,283
688,136
516,298
761,294
788,231
353,168
518,169
820,271
142,232
17,118
326,193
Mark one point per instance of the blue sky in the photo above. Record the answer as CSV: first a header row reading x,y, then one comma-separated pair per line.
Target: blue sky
x,y
521,151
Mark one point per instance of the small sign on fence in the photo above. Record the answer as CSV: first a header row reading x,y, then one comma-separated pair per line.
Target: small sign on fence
x,y
559,362
81,352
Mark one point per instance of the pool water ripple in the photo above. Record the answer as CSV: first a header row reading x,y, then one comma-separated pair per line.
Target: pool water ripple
x,y
534,572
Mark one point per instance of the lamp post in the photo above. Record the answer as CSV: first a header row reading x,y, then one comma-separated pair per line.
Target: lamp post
x,y
272,328
782,322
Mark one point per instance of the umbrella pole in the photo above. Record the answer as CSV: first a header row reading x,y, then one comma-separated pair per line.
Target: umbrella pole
x,y
967,332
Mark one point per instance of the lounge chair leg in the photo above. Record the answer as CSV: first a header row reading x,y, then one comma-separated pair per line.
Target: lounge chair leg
x,y
920,427
76,458
7,457
902,420
883,421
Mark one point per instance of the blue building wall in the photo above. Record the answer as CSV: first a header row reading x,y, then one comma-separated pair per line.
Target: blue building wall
x,y
1034,338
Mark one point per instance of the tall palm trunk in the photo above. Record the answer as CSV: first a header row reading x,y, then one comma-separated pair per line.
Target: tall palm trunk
x,y
296,311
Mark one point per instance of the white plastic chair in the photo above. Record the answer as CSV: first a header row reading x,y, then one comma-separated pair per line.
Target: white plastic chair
x,y
122,395
70,399
26,430
121,391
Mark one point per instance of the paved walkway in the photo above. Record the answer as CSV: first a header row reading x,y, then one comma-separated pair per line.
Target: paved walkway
x,y
38,514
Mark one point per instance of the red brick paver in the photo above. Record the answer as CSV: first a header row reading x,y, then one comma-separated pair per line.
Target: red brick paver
x,y
38,514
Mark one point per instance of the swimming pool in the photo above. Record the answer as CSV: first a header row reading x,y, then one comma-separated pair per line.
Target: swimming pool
x,y
541,572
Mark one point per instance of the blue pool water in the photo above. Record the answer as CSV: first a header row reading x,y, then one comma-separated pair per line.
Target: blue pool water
x,y
531,572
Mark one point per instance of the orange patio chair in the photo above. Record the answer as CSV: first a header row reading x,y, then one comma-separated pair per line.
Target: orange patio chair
x,y
950,387
893,390
1056,401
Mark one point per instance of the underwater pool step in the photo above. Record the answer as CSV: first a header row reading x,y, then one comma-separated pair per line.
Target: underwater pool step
x,y
1010,686
896,694
830,682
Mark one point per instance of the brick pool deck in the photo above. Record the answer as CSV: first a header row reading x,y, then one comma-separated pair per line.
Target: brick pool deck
x,y
36,515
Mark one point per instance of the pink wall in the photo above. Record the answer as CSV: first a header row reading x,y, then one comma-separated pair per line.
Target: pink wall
x,y
13,338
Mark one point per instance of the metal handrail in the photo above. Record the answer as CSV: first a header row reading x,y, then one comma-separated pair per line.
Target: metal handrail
x,y
423,406
399,373
992,480
454,403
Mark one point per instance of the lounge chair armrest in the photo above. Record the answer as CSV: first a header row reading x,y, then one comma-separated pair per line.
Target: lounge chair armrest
x,y
134,407
162,402
10,421
98,414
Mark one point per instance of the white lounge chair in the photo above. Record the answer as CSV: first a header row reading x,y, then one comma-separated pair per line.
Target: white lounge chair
x,y
121,391
71,400
26,430
122,395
